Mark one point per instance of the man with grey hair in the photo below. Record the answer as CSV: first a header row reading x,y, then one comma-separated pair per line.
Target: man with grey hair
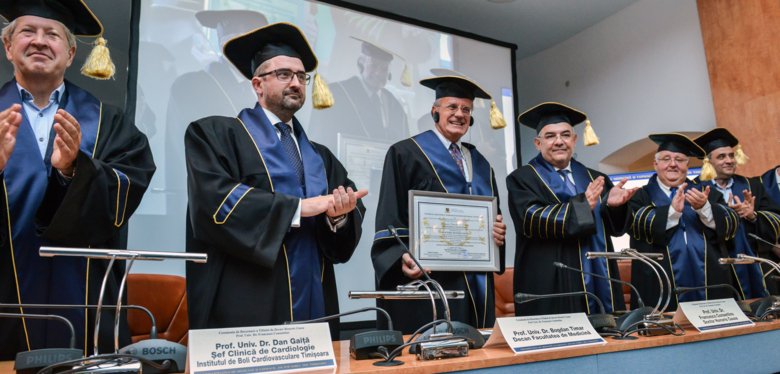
x,y
435,160
74,170
688,222
561,210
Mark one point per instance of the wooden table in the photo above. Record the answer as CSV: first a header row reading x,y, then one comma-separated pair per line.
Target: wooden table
x,y
745,349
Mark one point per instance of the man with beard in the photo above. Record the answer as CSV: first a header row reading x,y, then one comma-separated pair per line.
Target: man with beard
x,y
747,197
73,172
689,223
258,198
561,210
435,160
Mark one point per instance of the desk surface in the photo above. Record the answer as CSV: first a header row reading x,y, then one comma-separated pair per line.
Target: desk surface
x,y
502,356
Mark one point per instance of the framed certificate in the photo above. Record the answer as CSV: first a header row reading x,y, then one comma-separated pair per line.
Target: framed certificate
x,y
453,232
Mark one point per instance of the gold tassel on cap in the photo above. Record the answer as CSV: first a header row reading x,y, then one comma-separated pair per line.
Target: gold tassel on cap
x,y
589,135
740,155
99,64
496,118
406,76
707,170
321,97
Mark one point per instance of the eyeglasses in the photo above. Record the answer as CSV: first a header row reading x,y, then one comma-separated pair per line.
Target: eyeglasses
x,y
669,159
552,137
286,75
453,108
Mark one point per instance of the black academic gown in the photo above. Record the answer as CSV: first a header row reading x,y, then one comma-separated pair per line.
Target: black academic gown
x,y
769,180
408,167
240,219
750,278
691,265
552,226
113,169
354,114
768,224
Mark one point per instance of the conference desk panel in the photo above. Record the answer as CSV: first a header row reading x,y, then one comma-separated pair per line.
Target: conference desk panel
x,y
741,350
749,349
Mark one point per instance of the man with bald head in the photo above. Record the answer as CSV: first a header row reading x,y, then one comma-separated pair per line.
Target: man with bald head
x,y
689,223
561,210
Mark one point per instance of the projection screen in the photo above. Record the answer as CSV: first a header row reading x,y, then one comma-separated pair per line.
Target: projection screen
x,y
182,76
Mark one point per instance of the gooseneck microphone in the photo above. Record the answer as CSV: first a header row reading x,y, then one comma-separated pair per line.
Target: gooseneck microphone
x,y
762,240
427,277
681,290
152,320
638,297
766,306
626,321
599,321
170,355
767,242
522,297
31,361
369,344
447,347
393,231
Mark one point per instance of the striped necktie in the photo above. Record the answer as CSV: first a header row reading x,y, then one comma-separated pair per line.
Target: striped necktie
x,y
457,156
292,151
569,185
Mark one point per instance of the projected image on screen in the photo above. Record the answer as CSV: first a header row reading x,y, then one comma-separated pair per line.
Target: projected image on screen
x,y
372,66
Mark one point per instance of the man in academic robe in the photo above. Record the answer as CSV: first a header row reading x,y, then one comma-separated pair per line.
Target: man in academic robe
x,y
435,160
561,210
689,223
771,182
747,197
364,108
272,210
74,170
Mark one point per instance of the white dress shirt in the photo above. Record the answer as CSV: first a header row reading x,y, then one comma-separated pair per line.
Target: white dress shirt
x,y
673,219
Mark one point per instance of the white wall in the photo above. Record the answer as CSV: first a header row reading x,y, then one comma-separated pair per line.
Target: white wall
x,y
641,70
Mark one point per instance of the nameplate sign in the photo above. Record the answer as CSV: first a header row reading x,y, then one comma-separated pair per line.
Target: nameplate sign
x,y
282,348
543,333
711,315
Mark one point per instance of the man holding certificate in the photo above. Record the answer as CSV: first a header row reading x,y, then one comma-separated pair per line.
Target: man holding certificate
x,y
436,160
561,210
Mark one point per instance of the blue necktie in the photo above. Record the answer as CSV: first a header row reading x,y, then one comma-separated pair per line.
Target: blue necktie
x,y
569,185
671,195
291,150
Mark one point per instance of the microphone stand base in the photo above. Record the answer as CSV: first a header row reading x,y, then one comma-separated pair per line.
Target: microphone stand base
x,y
627,337
655,328
388,363
443,349
132,366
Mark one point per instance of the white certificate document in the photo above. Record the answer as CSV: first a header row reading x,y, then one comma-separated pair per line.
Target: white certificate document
x,y
452,231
